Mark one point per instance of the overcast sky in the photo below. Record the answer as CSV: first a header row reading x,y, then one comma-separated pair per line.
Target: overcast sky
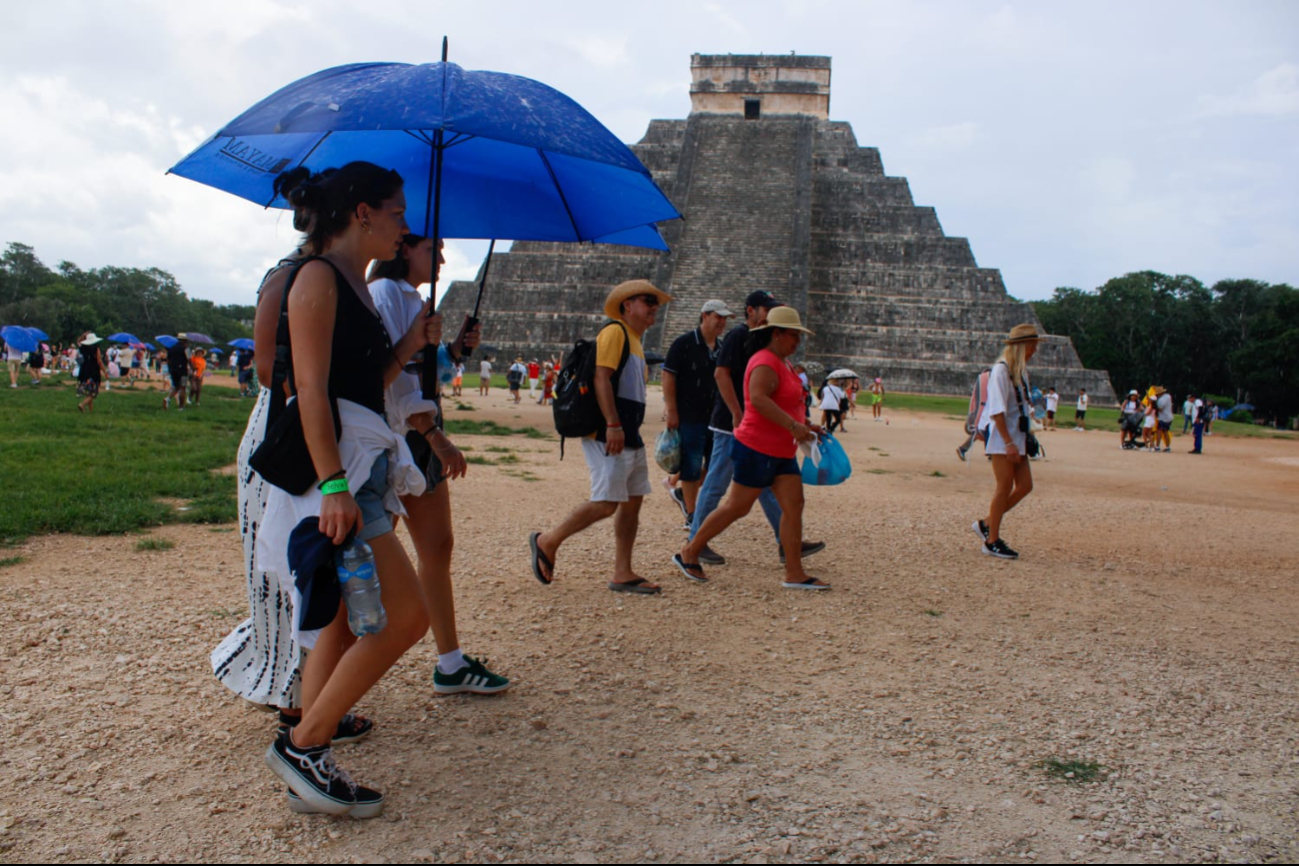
x,y
1069,143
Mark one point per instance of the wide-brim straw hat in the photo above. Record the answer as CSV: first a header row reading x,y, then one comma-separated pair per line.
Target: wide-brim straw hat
x,y
200,352
784,317
630,289
1023,334
1160,390
91,339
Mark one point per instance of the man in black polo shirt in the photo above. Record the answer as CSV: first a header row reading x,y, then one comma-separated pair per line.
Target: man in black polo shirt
x,y
689,388
728,409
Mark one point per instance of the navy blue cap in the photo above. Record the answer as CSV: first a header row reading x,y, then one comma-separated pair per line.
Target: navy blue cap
x,y
311,561
761,299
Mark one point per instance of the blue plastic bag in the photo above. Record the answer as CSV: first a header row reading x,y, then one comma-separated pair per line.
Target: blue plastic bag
x,y
834,469
667,451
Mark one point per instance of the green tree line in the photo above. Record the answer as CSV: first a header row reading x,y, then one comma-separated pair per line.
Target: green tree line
x,y
66,301
1238,338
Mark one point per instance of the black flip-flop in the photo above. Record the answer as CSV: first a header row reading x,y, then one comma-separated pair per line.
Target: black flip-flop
x,y
538,559
810,583
692,570
638,586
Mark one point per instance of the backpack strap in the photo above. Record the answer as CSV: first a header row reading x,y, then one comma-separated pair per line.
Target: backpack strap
x,y
283,370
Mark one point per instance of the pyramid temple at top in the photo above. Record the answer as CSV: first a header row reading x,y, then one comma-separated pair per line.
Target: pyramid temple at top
x,y
777,196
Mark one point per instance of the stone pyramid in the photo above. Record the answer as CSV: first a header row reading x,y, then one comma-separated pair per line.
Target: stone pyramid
x,y
778,197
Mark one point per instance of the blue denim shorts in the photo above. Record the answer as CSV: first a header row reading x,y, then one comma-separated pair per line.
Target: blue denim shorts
x,y
758,470
695,445
370,499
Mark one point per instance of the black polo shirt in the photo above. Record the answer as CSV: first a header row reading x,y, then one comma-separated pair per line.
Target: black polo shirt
x,y
734,356
693,364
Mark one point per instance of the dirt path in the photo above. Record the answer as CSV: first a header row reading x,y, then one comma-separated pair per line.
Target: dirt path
x,y
1149,628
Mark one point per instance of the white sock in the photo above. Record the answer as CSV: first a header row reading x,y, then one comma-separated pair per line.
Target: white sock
x,y
451,662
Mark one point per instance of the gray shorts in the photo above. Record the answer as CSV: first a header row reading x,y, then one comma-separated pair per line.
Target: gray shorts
x,y
370,499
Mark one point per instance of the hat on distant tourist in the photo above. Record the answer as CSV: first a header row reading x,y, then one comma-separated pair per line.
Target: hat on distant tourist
x,y
1160,390
718,307
762,299
91,339
630,289
784,317
1023,334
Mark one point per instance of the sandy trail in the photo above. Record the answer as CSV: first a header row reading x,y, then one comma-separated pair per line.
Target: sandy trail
x,y
1149,627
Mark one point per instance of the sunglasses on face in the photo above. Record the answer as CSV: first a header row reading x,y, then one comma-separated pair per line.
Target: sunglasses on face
x,y
648,300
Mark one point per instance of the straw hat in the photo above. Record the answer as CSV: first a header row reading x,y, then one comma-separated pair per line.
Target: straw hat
x,y
784,317
1023,334
630,289
91,339
200,353
1160,390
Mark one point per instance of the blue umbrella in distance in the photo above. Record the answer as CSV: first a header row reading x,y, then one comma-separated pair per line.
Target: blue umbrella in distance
x,y
151,347
167,340
123,337
19,338
39,334
242,343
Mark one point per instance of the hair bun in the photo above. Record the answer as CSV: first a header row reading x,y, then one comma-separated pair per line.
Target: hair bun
x,y
289,182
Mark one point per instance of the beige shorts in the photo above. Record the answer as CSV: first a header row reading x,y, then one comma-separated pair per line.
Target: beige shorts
x,y
616,479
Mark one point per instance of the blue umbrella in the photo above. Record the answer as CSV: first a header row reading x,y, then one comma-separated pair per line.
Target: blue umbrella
x,y
151,347
242,343
39,334
166,340
123,337
214,351
19,338
483,154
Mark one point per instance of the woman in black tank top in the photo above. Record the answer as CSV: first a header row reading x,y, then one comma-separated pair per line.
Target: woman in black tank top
x,y
341,351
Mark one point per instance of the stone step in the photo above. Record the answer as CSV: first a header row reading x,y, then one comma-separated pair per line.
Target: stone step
x,y
886,250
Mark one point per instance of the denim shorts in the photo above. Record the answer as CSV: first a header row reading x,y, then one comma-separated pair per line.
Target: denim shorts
x,y
370,499
758,470
695,445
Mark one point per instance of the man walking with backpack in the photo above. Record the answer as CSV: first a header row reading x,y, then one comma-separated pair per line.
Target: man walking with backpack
x,y
615,454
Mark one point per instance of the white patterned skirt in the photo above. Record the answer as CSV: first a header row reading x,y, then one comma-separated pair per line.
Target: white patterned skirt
x,y
258,660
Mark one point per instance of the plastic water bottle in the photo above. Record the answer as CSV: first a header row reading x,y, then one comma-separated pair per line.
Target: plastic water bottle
x,y
360,583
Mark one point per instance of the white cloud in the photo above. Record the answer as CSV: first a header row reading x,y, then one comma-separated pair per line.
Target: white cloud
x,y
951,137
1274,93
604,52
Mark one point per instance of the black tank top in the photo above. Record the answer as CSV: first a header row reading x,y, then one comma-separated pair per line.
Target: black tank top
x,y
361,349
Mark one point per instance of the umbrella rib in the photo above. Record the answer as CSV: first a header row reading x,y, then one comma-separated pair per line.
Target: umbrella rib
x,y
559,189
303,160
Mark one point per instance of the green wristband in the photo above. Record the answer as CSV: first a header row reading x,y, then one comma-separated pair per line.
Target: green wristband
x,y
338,485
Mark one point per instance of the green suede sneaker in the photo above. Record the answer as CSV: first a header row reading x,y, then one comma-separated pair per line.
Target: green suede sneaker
x,y
473,677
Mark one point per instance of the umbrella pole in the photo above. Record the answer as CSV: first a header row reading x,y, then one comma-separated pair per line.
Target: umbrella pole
x,y
429,388
472,321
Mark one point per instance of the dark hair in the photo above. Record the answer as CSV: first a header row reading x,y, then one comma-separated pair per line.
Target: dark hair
x,y
323,203
397,268
757,340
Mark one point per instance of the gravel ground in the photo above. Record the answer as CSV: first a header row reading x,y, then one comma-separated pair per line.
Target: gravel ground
x,y
1148,628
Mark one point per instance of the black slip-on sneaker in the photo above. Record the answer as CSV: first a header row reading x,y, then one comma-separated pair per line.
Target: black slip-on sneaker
x,y
312,775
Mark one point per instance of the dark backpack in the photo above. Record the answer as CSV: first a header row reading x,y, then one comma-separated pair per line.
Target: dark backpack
x,y
577,412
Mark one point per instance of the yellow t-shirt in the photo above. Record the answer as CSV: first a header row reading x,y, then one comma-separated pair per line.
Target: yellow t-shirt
x,y
630,389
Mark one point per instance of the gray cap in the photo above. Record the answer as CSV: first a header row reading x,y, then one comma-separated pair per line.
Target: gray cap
x,y
718,307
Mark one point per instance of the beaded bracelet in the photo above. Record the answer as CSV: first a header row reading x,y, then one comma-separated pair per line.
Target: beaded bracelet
x,y
338,485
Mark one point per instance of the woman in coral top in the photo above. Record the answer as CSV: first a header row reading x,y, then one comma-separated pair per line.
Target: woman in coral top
x,y
766,442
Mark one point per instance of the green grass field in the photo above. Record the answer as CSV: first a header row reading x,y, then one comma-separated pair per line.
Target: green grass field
x,y
127,466
1097,418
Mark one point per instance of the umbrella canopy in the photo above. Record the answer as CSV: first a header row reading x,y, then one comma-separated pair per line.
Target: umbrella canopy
x,y
196,337
151,347
843,373
39,334
215,351
484,154
242,343
19,338
167,340
123,337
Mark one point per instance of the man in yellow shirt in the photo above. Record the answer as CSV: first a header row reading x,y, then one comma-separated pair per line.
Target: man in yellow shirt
x,y
616,455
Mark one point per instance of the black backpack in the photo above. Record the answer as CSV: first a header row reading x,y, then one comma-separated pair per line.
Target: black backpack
x,y
577,412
